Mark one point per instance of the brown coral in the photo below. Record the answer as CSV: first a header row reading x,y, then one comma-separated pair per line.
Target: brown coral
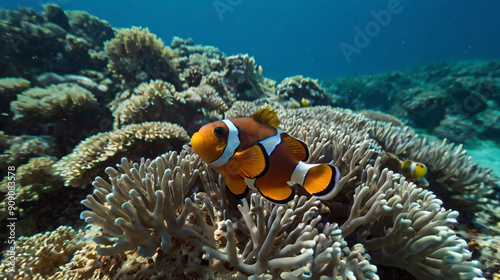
x,y
244,79
39,256
137,56
147,102
293,89
18,150
91,156
56,102
33,179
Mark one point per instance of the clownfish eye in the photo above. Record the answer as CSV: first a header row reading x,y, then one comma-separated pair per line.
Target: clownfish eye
x,y
219,131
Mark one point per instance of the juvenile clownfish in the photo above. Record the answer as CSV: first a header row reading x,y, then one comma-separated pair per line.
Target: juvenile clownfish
x,y
413,169
254,153
305,102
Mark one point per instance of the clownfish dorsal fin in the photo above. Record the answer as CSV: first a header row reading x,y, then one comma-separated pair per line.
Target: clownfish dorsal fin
x,y
251,162
267,116
299,148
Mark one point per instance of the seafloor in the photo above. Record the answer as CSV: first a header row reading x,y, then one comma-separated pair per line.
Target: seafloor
x,y
100,184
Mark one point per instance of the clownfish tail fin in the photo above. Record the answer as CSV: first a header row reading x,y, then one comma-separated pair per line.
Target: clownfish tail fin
x,y
319,180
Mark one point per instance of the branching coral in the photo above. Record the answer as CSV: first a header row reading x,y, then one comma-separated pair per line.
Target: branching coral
x,y
403,225
40,255
278,237
154,204
145,103
137,56
143,207
142,199
448,164
56,102
158,100
91,156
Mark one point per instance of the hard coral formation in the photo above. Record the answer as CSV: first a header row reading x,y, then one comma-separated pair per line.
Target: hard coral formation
x,y
405,226
145,103
292,90
197,60
170,215
158,100
244,78
39,256
136,140
33,179
394,221
143,198
137,55
51,104
18,150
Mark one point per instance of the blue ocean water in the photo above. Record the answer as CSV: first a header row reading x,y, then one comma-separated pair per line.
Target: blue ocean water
x,y
319,39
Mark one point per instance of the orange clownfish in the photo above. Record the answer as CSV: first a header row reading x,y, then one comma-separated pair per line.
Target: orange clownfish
x,y
253,153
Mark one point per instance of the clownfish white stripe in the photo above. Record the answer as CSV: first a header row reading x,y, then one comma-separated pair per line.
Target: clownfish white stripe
x,y
250,182
272,142
233,141
300,172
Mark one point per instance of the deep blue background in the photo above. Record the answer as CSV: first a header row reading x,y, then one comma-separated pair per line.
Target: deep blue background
x,y
291,37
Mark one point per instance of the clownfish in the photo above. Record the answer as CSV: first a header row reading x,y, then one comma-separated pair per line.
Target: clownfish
x,y
305,102
413,169
253,153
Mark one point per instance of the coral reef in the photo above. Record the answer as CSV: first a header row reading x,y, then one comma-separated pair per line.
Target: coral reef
x,y
158,100
433,97
84,98
145,103
292,90
376,209
137,55
35,43
39,256
33,179
19,149
244,78
136,140
405,226
51,104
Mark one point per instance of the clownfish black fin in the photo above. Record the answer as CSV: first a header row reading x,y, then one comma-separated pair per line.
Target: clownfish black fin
x,y
251,162
279,193
299,148
320,180
267,116
236,186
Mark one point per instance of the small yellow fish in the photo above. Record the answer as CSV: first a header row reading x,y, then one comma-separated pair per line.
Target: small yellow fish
x,y
305,102
413,169
253,153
